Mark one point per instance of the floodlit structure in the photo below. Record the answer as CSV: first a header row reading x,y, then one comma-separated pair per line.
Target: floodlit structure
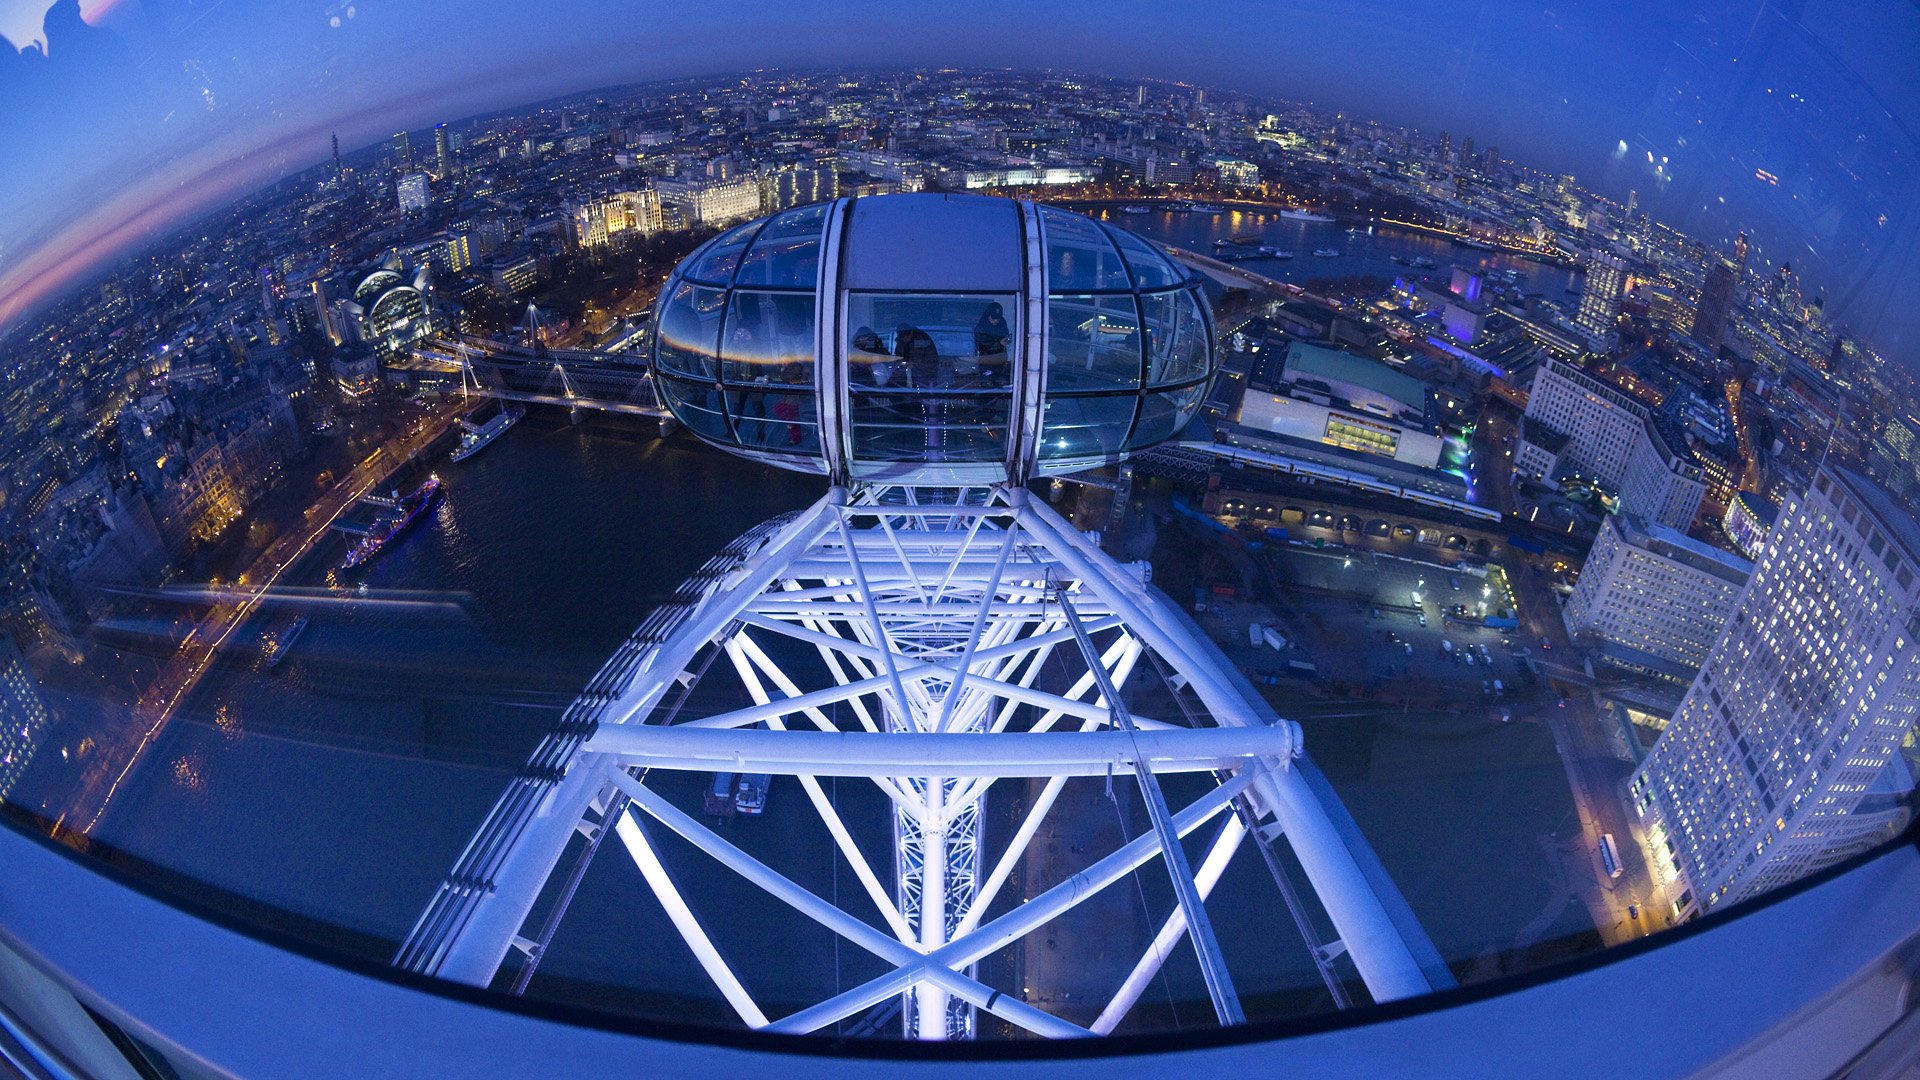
x,y
931,630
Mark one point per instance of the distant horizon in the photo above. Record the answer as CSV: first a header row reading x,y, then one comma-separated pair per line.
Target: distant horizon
x,y
159,235
201,109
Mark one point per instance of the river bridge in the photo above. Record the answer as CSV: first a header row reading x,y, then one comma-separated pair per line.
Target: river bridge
x,y
571,378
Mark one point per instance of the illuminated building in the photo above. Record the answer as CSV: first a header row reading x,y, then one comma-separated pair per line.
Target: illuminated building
x,y
710,202
593,223
1600,301
23,716
1650,589
799,183
1332,397
1025,176
516,274
1799,707
1235,173
412,190
392,312
1748,520
1575,422
442,153
402,151
453,254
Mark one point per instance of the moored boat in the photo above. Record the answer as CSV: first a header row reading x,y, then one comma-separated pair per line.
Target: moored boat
x,y
399,515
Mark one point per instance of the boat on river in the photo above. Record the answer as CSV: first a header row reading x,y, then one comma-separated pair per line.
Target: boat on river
x,y
399,514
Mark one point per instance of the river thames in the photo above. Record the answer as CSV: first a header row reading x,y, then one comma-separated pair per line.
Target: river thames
x,y
1363,251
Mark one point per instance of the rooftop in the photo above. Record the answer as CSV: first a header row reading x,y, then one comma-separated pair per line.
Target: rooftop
x,y
1316,361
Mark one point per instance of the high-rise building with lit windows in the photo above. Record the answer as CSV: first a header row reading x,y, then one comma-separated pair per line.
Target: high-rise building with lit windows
x,y
413,193
1761,776
1651,590
23,716
1600,300
442,153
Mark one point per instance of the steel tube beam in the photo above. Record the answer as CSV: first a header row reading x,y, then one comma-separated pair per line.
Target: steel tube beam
x,y
1213,966
863,753
1011,1009
1000,932
634,836
1151,961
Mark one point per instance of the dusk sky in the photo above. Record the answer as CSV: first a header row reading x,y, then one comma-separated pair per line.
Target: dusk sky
x,y
126,117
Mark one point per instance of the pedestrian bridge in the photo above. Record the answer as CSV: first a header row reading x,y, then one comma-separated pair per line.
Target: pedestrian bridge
x,y
571,378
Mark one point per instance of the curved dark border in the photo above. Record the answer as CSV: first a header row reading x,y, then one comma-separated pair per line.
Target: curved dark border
x,y
114,865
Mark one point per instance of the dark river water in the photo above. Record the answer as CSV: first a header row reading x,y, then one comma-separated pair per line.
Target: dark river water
x,y
1367,252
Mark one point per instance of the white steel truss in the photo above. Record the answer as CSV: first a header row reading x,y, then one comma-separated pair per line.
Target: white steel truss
x,y
934,644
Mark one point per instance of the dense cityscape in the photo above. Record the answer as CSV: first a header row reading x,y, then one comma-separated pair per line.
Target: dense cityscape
x,y
1486,447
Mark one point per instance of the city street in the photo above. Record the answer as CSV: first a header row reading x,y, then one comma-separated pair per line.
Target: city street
x,y
1589,747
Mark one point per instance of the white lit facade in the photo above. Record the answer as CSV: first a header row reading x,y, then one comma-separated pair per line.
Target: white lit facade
x,y
1651,589
413,193
710,202
1600,299
1799,708
1612,438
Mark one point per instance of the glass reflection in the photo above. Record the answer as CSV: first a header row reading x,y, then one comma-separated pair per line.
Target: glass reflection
x,y
1079,255
774,420
1081,426
689,331
715,263
769,336
1162,415
1093,343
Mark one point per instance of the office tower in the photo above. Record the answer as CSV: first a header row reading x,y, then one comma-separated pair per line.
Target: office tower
x,y
1716,306
1140,95
1760,777
1574,419
413,193
1446,147
1740,252
336,153
1648,589
1633,203
23,716
442,152
1600,302
402,151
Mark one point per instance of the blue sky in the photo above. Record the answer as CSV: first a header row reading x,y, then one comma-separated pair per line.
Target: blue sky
x,y
137,113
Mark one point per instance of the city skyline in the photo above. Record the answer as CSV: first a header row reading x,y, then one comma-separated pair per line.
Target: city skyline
x,y
248,130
